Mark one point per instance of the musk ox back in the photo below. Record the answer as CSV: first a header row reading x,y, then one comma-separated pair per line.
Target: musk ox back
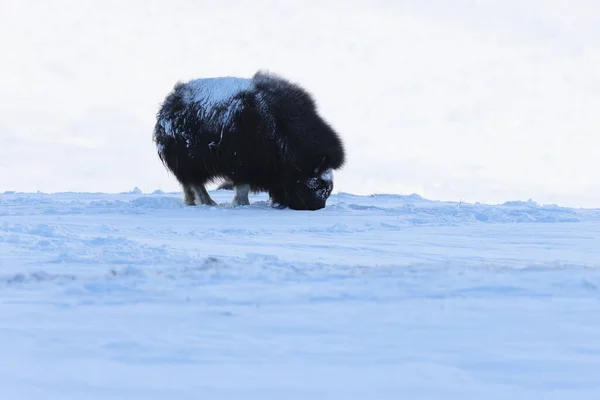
x,y
259,134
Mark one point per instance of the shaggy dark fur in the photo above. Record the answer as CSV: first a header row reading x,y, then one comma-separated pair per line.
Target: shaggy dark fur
x,y
261,134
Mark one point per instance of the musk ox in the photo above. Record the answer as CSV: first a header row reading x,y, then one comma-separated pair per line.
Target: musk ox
x,y
259,134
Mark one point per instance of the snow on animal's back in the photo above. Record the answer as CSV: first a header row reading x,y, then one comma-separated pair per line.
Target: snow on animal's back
x,y
214,91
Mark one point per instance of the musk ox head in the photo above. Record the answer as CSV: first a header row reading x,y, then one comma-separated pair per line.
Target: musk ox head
x,y
307,192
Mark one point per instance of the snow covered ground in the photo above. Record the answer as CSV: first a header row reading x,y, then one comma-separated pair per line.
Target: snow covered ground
x,y
135,296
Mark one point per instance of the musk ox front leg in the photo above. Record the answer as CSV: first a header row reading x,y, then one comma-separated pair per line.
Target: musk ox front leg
x,y
241,195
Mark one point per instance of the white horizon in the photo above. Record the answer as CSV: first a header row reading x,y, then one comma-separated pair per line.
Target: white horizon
x,y
486,102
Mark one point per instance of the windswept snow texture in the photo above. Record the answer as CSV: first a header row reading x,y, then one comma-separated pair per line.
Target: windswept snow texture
x,y
136,296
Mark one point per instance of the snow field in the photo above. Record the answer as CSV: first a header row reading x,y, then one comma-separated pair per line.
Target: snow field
x,y
133,295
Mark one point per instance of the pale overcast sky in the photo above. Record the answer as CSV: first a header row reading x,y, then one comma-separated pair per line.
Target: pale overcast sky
x,y
475,100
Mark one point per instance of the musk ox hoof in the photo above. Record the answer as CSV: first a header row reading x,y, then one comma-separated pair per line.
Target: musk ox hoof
x,y
236,203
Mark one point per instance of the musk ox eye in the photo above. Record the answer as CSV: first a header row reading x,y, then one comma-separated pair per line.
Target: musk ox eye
x,y
327,175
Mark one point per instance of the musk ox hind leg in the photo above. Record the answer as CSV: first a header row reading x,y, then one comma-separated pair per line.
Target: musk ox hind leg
x,y
241,195
201,193
189,196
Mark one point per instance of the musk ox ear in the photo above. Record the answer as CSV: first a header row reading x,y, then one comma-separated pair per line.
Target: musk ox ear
x,y
321,164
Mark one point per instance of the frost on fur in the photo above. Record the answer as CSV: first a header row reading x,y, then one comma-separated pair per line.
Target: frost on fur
x,y
214,101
